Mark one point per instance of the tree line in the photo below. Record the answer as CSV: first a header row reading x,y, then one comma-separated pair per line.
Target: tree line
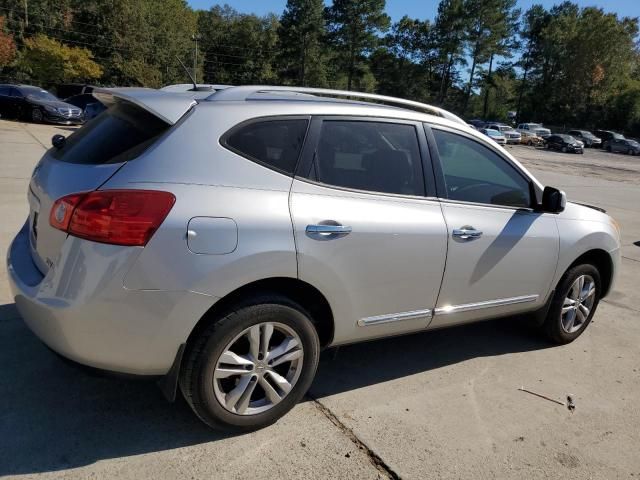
x,y
565,65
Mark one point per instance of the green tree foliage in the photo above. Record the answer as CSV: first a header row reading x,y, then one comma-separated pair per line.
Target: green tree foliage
x,y
492,25
238,48
7,45
582,68
353,29
449,35
565,65
302,56
48,60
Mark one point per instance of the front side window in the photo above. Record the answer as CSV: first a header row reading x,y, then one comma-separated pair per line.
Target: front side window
x,y
274,143
475,173
373,156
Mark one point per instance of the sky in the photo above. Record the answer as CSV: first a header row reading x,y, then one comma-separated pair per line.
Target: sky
x,y
422,9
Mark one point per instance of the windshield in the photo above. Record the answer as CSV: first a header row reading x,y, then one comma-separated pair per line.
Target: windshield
x,y
493,133
535,125
618,136
38,94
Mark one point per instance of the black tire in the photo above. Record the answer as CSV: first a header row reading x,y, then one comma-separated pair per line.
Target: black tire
x,y
553,323
564,149
202,354
36,115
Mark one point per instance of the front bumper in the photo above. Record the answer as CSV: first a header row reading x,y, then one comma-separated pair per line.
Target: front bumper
x,y
63,120
81,310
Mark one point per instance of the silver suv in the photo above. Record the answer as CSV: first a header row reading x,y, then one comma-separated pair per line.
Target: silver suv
x,y
220,240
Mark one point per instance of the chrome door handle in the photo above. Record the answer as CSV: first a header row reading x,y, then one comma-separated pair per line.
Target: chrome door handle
x,y
466,232
327,232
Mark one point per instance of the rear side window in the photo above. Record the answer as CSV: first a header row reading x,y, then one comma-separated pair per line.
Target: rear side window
x,y
374,156
273,143
119,134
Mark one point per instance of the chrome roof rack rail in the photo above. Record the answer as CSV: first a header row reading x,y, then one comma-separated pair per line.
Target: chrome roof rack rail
x,y
243,93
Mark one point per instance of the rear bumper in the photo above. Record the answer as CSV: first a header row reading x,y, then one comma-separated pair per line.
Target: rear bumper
x,y
81,310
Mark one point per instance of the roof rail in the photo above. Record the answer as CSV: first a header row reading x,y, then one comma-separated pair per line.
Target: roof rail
x,y
242,93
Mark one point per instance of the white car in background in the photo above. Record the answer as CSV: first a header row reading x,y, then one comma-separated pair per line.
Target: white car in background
x,y
509,133
536,128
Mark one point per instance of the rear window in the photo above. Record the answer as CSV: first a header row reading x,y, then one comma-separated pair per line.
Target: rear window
x,y
274,143
119,134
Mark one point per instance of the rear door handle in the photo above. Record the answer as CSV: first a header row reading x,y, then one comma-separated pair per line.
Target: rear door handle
x,y
467,232
327,232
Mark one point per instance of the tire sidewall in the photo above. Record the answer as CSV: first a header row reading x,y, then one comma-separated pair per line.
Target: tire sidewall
x,y
36,115
554,323
214,413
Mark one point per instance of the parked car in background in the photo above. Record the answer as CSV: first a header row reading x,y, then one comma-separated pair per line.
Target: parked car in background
x,y
472,126
536,128
623,145
586,137
90,105
606,136
494,135
477,123
66,90
511,135
564,143
531,139
25,102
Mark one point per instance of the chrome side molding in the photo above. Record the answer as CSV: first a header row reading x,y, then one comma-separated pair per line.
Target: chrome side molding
x,y
427,313
395,317
486,304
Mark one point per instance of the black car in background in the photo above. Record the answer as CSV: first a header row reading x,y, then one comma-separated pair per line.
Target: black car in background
x,y
623,145
24,102
607,136
90,105
588,138
563,143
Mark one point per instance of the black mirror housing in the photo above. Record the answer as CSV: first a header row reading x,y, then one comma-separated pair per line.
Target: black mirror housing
x,y
58,141
553,200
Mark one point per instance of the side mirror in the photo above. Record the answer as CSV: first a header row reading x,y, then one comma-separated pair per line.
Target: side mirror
x,y
58,141
553,200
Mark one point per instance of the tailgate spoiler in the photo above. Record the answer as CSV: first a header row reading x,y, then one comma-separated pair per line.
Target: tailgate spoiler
x,y
169,107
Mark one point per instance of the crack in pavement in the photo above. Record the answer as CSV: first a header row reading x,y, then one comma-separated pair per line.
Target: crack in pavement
x,y
374,458
34,137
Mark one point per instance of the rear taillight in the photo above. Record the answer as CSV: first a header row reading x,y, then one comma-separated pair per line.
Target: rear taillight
x,y
118,217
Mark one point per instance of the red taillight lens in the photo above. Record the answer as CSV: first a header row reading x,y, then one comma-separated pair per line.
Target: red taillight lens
x,y
118,217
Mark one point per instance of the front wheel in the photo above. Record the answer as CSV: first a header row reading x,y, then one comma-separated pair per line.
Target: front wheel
x,y
574,304
252,365
564,149
36,115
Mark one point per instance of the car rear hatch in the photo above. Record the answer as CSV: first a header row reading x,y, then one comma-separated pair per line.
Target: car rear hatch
x,y
135,120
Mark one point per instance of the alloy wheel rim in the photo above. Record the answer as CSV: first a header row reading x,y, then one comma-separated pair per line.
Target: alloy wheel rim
x,y
258,368
578,304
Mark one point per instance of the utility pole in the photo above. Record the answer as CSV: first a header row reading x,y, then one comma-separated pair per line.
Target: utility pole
x,y
195,37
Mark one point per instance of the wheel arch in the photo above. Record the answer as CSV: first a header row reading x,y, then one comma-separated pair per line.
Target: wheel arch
x,y
303,293
600,259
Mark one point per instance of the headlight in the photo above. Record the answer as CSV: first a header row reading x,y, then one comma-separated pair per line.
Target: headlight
x,y
50,109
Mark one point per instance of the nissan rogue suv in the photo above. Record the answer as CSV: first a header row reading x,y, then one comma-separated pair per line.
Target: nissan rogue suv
x,y
218,241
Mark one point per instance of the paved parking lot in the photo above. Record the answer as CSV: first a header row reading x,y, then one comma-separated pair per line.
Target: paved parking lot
x,y
442,404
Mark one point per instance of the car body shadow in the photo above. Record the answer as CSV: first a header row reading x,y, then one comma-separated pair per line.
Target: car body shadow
x,y
363,364
54,416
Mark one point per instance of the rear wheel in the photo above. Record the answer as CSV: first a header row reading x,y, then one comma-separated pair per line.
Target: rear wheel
x,y
252,365
574,304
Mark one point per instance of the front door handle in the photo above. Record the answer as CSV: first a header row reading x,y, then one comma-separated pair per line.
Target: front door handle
x,y
466,233
327,232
